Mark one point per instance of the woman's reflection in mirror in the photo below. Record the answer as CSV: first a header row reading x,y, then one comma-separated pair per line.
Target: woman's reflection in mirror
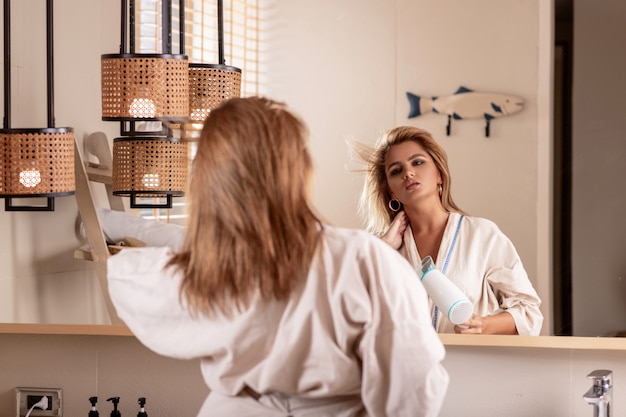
x,y
407,201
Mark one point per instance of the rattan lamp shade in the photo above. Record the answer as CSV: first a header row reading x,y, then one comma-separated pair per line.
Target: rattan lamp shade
x,y
37,162
209,85
150,167
145,87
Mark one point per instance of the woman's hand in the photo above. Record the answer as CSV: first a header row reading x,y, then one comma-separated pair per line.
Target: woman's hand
x,y
501,323
395,233
474,325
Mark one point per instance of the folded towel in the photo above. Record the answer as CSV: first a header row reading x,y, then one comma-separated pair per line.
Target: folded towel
x,y
118,226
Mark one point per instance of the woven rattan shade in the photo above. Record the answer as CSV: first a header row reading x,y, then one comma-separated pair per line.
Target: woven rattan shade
x,y
37,162
145,87
209,85
150,167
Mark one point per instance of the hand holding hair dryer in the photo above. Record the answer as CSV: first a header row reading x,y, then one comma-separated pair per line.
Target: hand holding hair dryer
x,y
445,294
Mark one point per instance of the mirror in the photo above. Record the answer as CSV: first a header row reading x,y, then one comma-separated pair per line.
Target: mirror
x,y
349,82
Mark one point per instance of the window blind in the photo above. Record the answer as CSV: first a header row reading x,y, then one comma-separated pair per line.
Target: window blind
x,y
241,50
241,34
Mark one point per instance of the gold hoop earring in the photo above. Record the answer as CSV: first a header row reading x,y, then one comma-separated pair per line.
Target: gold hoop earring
x,y
440,190
394,205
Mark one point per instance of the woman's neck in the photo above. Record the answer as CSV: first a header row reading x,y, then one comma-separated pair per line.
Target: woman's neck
x,y
427,219
428,227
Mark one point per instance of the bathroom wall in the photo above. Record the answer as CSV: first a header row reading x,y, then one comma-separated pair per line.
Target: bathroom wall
x,y
502,382
512,382
86,366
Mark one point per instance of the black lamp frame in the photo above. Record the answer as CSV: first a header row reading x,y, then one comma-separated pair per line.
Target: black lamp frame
x,y
6,125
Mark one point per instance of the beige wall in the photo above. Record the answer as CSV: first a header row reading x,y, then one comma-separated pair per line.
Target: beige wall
x,y
512,382
86,366
503,382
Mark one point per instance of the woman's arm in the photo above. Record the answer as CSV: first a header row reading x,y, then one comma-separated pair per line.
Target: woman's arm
x,y
402,370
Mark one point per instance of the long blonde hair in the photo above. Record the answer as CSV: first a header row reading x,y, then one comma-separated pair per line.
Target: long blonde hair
x,y
375,196
251,224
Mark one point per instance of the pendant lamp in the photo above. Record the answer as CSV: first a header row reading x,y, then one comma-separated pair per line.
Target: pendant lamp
x,y
150,167
34,162
210,84
144,86
140,87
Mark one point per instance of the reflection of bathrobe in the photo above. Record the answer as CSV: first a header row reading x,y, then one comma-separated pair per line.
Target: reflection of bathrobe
x,y
486,267
356,340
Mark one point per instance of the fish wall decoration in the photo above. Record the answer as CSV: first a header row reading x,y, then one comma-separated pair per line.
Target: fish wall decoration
x,y
466,104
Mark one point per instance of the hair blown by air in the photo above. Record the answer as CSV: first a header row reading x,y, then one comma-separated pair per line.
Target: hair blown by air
x,y
375,196
251,225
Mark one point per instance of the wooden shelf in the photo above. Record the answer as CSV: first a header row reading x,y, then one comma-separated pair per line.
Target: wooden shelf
x,y
66,329
539,342
451,341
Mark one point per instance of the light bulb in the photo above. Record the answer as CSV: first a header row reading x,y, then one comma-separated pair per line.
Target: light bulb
x,y
142,108
199,114
30,178
150,180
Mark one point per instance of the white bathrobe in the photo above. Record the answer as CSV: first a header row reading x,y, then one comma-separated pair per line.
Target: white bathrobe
x,y
355,340
485,265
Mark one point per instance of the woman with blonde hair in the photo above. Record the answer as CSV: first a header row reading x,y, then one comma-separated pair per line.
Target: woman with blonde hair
x,y
289,316
407,201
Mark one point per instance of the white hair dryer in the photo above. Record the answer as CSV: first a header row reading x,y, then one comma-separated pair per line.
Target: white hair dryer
x,y
445,294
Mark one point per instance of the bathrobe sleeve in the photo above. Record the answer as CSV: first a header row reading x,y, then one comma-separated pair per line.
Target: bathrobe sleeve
x,y
401,352
506,280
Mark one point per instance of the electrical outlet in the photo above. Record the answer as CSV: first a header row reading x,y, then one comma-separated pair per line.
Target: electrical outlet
x,y
31,400
27,397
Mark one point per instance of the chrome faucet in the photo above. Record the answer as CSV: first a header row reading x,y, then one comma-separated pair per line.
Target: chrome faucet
x,y
601,393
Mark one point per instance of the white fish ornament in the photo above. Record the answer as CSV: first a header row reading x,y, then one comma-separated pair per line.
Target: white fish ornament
x,y
466,104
